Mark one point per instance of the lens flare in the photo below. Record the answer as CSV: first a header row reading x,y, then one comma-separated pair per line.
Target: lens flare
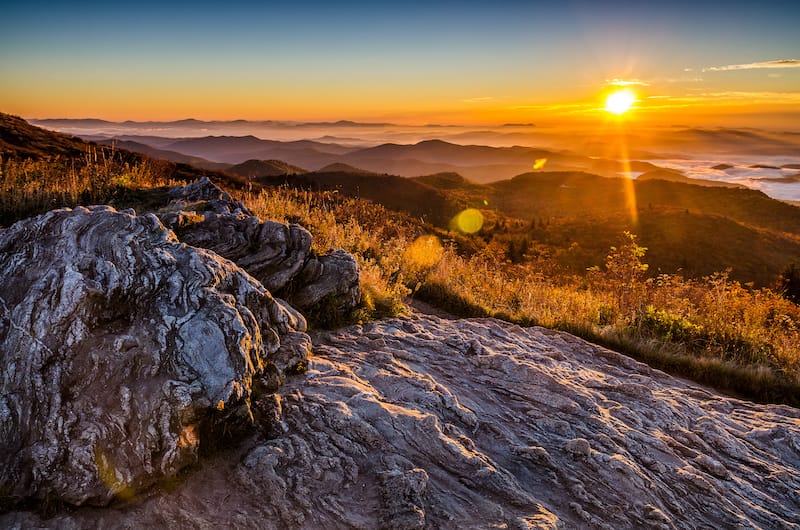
x,y
539,164
468,221
627,182
425,251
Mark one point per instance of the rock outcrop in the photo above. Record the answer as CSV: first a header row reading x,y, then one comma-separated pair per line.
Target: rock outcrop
x,y
481,424
327,286
428,423
120,347
206,193
276,254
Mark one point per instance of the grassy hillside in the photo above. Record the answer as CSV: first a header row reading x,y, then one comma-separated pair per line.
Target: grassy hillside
x,y
41,170
573,218
711,329
22,140
563,194
691,243
397,193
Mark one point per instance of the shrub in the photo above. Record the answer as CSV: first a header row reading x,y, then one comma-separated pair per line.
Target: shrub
x,y
668,326
712,329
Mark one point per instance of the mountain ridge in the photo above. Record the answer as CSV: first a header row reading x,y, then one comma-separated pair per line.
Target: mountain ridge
x,y
264,168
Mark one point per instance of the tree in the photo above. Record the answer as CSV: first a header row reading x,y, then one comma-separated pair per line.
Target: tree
x,y
624,263
624,270
789,282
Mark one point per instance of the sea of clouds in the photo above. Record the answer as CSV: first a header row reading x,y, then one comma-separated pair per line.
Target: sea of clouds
x,y
743,172
694,165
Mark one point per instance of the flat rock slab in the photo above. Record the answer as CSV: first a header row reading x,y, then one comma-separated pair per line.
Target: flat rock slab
x,y
427,423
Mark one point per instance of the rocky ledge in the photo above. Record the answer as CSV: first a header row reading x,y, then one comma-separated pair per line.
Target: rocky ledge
x,y
117,343
422,422
123,350
278,255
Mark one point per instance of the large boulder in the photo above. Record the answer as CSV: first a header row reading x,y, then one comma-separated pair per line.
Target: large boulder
x,y
205,192
120,347
278,255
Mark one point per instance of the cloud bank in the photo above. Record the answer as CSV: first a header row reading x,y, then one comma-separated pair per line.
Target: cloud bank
x,y
626,82
780,63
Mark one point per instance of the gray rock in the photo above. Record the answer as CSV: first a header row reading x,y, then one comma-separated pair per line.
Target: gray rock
x,y
120,346
276,254
206,192
397,424
271,252
404,498
327,283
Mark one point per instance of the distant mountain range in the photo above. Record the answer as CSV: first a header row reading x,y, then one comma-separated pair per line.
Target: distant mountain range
x,y
479,163
571,215
163,154
638,142
264,168
94,122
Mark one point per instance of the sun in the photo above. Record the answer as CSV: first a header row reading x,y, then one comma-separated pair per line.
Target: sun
x,y
620,102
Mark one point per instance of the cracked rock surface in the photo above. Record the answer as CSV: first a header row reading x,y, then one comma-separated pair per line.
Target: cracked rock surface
x,y
118,344
422,422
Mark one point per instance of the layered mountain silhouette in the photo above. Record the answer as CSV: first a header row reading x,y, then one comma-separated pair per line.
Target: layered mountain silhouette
x,y
341,167
163,154
575,215
676,176
476,162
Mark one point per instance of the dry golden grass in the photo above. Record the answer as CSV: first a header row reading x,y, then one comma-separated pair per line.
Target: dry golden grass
x,y
712,329
32,186
343,223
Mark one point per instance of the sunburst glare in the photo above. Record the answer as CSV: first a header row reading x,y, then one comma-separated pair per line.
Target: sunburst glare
x,y
620,102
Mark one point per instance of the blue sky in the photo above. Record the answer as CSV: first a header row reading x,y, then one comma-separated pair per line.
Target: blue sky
x,y
364,59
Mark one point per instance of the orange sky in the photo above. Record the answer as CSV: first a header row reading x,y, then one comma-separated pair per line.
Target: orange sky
x,y
550,63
